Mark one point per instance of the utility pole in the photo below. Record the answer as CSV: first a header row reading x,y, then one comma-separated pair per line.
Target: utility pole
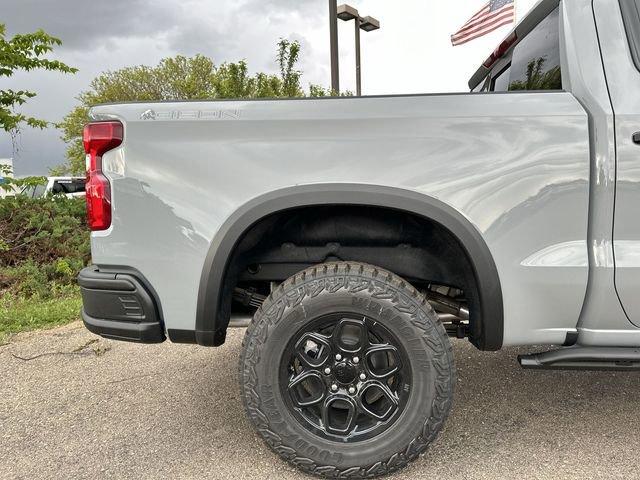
x,y
333,32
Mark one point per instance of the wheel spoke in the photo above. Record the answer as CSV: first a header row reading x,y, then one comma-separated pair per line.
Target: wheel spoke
x,y
377,401
339,414
350,336
345,377
382,361
307,389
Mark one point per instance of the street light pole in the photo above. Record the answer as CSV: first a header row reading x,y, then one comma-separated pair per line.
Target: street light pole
x,y
368,24
358,22
333,32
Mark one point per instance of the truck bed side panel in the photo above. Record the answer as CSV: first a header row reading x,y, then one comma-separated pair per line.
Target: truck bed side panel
x,y
516,165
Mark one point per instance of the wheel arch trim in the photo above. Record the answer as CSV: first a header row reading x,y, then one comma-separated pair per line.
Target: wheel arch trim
x,y
210,292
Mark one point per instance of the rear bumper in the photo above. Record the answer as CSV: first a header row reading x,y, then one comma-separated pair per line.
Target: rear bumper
x,y
118,303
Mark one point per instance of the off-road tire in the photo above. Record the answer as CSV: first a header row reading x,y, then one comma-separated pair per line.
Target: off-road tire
x,y
398,306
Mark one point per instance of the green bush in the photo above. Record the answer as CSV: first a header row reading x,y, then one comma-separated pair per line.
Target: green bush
x,y
44,243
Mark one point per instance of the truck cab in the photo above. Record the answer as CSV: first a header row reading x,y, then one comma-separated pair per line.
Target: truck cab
x,y
547,51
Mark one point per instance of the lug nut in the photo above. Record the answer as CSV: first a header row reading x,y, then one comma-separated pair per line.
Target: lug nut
x,y
327,371
334,388
338,357
363,376
356,360
352,390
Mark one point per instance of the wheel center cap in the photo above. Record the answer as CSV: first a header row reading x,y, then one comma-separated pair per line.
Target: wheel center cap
x,y
345,372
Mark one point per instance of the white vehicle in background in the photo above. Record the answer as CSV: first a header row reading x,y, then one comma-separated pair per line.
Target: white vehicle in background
x,y
67,186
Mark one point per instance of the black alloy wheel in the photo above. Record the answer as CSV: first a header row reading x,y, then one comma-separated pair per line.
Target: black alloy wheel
x,y
345,378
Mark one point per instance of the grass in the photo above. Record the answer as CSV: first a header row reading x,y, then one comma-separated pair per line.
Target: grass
x,y
20,314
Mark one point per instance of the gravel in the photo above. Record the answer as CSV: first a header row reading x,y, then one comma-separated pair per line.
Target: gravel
x,y
73,405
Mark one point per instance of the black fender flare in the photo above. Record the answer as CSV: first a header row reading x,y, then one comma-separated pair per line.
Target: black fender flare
x,y
211,332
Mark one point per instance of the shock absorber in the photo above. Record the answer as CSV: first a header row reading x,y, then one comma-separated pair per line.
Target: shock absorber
x,y
248,298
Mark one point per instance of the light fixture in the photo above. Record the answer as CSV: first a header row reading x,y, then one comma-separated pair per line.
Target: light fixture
x,y
347,12
369,24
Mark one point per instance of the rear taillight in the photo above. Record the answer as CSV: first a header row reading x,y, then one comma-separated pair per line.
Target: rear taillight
x,y
99,138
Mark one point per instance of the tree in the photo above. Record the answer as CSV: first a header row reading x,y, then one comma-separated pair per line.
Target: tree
x,y
539,79
23,52
181,78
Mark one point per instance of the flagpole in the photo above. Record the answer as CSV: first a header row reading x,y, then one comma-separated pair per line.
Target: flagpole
x,y
515,12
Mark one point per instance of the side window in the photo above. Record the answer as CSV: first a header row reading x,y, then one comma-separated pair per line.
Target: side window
x,y
631,17
500,83
39,191
28,191
77,186
58,187
535,64
483,86
479,87
69,186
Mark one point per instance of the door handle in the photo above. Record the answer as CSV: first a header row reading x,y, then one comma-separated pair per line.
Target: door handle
x,y
636,138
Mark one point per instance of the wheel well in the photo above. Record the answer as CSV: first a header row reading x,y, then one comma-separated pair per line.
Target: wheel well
x,y
419,249
430,239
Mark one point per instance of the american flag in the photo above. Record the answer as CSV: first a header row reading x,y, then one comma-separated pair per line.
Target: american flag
x,y
494,14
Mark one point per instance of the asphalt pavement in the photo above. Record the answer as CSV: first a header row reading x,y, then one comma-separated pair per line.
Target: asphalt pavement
x,y
75,406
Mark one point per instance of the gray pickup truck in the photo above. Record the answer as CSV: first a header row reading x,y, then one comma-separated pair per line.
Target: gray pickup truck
x,y
360,233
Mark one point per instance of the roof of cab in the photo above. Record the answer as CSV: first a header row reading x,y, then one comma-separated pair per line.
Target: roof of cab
x,y
538,13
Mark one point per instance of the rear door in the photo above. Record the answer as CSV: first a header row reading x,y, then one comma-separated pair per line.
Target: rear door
x,y
619,32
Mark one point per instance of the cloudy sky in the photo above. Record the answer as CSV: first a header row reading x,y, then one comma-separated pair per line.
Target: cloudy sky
x,y
410,54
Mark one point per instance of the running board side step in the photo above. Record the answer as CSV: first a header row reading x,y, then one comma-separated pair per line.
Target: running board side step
x,y
583,358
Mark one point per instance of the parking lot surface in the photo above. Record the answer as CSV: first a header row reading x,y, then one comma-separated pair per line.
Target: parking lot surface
x,y
76,406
